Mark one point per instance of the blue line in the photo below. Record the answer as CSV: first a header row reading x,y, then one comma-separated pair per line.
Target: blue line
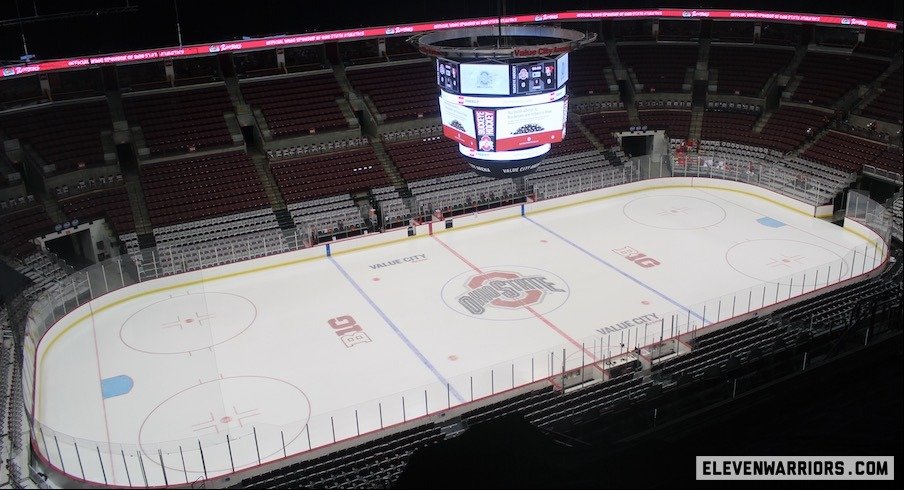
x,y
616,269
398,332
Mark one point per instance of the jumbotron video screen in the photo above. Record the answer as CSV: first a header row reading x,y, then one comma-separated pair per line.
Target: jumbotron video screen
x,y
505,115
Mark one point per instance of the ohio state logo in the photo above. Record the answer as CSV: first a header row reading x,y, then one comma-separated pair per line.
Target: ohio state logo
x,y
505,292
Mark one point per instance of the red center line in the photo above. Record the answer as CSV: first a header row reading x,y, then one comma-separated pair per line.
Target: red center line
x,y
532,311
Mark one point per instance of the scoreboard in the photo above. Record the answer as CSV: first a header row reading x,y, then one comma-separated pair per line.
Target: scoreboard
x,y
503,115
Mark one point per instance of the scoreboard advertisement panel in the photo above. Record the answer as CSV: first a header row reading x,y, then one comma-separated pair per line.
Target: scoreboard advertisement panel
x,y
532,125
511,128
486,129
458,123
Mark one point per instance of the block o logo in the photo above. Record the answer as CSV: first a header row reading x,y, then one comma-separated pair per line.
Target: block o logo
x,y
505,293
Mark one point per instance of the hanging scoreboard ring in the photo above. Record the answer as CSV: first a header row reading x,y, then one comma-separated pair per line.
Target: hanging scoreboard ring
x,y
507,42
503,92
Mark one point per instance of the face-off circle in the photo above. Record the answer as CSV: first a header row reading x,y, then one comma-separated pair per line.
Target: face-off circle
x,y
239,406
674,212
771,259
505,293
187,323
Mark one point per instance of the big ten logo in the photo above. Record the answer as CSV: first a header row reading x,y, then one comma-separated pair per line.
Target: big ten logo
x,y
348,330
637,257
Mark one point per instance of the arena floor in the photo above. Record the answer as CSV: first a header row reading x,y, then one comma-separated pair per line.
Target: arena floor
x,y
301,353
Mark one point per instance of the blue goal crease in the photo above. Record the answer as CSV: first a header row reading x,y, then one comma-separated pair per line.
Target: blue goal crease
x,y
770,222
116,386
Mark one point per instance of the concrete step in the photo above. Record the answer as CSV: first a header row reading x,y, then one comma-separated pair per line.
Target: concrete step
x,y
146,241
284,218
388,166
235,94
587,133
271,188
761,122
696,126
138,204
53,208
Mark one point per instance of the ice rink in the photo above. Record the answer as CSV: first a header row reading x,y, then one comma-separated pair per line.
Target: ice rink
x,y
297,353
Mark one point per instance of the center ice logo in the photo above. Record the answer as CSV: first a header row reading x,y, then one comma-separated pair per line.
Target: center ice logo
x,y
505,293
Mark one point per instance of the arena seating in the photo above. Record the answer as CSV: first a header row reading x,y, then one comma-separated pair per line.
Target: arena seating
x,y
427,157
574,142
297,105
203,187
762,334
43,268
678,30
398,48
452,195
216,229
787,127
676,123
729,126
305,58
793,176
19,226
327,174
180,122
745,70
290,151
891,159
571,177
111,204
417,97
827,77
844,151
66,136
579,106
734,32
659,67
603,124
369,464
888,105
833,309
329,216
360,53
897,214
589,402
16,202
780,34
392,207
586,71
